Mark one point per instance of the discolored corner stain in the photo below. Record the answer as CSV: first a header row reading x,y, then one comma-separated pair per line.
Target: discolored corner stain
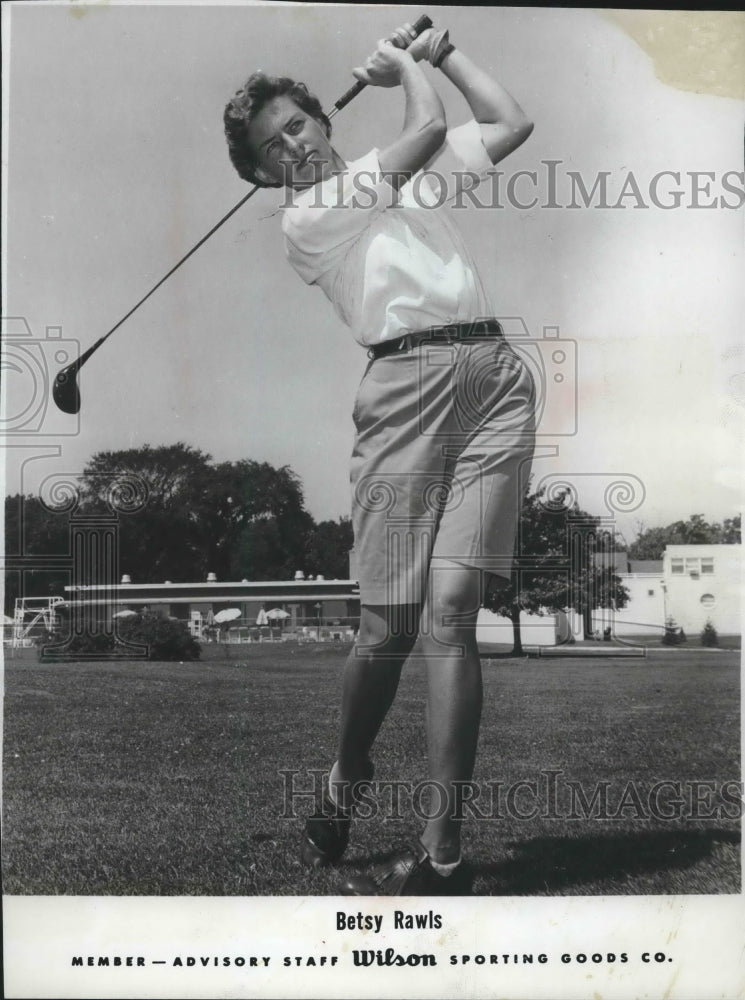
x,y
79,8
694,50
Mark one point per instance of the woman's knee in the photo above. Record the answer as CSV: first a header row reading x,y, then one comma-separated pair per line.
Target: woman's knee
x,y
388,631
453,603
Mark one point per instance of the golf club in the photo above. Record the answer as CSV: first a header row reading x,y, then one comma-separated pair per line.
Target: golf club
x,y
65,391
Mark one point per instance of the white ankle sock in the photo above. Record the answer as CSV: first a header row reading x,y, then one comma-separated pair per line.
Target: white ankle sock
x,y
332,795
332,790
444,870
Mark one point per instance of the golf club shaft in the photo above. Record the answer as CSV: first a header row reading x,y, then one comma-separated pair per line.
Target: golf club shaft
x,y
420,25
175,267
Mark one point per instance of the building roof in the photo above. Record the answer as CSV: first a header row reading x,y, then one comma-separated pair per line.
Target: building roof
x,y
621,562
697,550
218,592
645,566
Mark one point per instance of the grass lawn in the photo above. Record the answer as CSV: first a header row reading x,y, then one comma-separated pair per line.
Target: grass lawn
x,y
164,779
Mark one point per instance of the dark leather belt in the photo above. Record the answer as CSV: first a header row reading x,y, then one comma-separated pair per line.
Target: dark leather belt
x,y
482,329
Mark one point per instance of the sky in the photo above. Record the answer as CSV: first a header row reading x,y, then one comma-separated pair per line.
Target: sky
x,y
117,165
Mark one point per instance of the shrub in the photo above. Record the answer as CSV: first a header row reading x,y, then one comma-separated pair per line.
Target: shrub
x,y
165,638
674,635
709,635
78,645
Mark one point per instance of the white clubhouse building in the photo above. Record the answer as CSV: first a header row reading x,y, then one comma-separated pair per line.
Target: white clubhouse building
x,y
690,586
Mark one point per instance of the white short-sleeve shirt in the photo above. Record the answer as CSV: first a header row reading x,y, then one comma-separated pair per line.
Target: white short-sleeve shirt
x,y
391,262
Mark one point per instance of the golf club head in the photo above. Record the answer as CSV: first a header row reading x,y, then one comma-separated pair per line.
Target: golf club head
x,y
65,390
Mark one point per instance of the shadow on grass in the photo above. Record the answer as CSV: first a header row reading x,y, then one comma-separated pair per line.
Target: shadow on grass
x,y
550,864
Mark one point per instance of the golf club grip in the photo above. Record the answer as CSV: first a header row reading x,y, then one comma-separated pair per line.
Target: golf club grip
x,y
419,26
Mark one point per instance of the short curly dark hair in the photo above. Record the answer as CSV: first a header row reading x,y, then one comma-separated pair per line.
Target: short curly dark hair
x,y
259,89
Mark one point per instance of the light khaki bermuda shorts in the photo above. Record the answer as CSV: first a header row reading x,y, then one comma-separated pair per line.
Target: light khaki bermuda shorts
x,y
445,435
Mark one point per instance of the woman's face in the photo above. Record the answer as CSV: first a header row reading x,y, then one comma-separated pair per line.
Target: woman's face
x,y
290,146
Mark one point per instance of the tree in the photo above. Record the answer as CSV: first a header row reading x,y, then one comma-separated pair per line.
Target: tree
x,y
256,523
161,497
180,516
709,635
559,564
36,535
235,519
328,548
650,542
731,532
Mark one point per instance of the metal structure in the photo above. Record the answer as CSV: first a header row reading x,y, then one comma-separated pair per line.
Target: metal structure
x,y
30,611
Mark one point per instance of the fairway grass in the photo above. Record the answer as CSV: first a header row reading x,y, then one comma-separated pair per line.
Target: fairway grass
x,y
166,779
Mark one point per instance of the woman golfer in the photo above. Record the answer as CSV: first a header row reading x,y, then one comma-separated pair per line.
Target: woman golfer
x,y
444,415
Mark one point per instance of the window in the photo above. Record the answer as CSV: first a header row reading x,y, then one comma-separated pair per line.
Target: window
x,y
708,600
692,565
650,593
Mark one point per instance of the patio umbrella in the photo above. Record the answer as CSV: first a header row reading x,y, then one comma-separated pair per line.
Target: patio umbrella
x,y
127,613
228,615
262,618
276,613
